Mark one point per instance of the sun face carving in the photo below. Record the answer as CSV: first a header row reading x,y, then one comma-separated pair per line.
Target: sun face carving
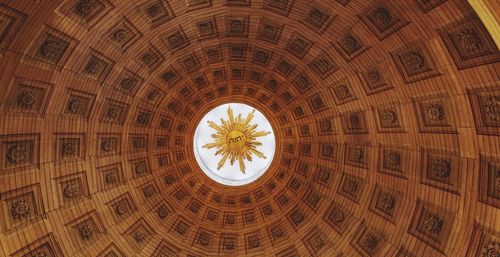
x,y
236,139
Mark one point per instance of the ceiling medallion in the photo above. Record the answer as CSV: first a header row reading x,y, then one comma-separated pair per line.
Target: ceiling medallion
x,y
235,139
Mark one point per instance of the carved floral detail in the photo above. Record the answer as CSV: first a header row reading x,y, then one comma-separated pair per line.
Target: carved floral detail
x,y
370,242
84,8
52,49
69,148
121,208
112,113
326,126
414,61
120,35
163,161
317,242
139,236
106,145
435,112
433,224
149,59
492,107
86,231
319,18
342,91
357,154
110,178
40,253
388,116
354,121
154,10
143,118
387,202
181,228
393,159
491,249
17,153
236,26
470,41
297,217
75,106
162,212
277,233
382,15
26,99
71,190
253,242
95,66
229,243
204,239
441,168
374,76
20,209
140,168
128,83
351,186
350,44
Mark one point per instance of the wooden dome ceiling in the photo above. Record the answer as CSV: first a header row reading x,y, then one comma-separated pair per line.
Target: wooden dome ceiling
x,y
386,116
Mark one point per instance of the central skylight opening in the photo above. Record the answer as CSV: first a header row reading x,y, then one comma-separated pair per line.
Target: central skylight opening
x,y
234,144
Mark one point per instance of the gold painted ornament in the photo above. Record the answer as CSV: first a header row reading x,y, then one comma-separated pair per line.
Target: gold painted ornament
x,y
236,139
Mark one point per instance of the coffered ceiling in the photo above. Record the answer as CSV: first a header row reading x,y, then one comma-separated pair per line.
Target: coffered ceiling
x,y
386,116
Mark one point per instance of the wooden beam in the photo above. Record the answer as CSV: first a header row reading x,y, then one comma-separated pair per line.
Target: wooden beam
x,y
489,13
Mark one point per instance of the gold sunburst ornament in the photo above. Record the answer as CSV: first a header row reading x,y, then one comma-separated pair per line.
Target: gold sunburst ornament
x,y
236,139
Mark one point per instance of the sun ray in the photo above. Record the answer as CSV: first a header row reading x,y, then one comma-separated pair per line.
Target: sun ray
x,y
236,139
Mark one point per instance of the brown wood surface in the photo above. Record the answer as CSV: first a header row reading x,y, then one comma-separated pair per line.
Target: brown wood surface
x,y
386,115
